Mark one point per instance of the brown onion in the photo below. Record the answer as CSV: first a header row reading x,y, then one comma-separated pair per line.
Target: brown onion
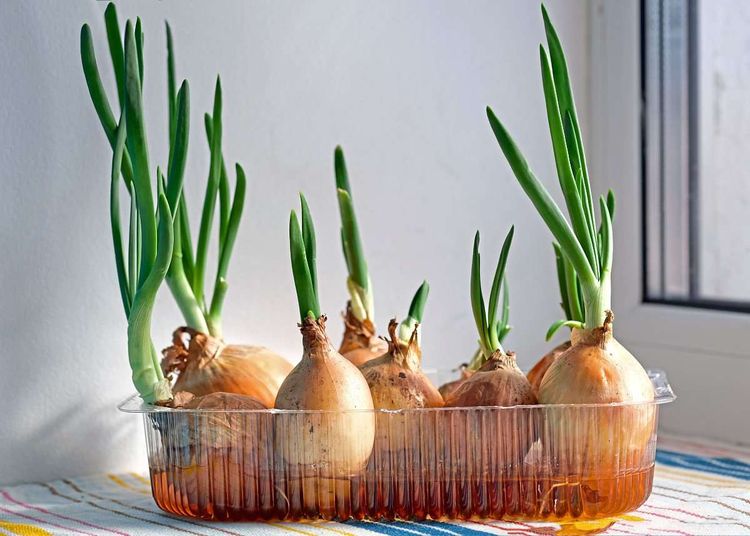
x,y
599,370
396,379
205,365
337,437
537,372
448,388
499,382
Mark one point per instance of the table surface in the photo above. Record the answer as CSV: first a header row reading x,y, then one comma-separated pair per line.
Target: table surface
x,y
700,487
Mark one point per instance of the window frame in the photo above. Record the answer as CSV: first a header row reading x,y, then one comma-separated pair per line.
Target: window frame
x,y
616,141
671,157
700,348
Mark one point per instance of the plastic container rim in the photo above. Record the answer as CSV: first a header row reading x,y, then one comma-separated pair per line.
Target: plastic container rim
x,y
663,394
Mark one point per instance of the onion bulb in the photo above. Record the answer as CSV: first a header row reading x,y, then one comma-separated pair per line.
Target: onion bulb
x,y
341,437
336,436
538,371
220,419
205,365
498,381
599,370
447,388
396,379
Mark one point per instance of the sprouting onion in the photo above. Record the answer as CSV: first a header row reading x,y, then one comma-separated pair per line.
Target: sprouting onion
x,y
204,363
570,302
323,379
396,379
360,342
498,381
596,369
502,327
199,357
150,226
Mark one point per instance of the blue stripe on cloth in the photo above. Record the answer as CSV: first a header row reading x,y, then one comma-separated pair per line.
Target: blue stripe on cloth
x,y
427,527
389,528
449,528
719,466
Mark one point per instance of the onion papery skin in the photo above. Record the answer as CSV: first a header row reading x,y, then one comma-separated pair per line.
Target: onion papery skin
x,y
216,422
393,386
599,370
499,382
220,447
333,444
396,379
538,371
360,343
448,388
209,366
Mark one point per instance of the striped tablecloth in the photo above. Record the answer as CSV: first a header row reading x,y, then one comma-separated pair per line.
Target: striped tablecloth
x,y
699,488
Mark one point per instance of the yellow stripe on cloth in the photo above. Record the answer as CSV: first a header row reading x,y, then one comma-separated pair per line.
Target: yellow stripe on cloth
x,y
290,529
120,482
140,478
326,525
23,529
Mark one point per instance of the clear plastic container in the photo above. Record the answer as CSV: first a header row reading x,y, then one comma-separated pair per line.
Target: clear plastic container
x,y
556,462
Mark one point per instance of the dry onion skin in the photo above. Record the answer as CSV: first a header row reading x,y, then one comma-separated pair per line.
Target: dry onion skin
x,y
205,365
360,342
338,439
596,369
498,381
395,379
537,372
447,388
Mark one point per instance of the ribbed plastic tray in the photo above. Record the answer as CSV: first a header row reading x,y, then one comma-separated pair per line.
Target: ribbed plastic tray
x,y
543,462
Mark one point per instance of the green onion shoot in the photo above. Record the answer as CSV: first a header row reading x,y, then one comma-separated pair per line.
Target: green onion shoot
x,y
360,342
498,381
597,368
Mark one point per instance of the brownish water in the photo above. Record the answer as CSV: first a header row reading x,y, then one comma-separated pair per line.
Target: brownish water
x,y
222,490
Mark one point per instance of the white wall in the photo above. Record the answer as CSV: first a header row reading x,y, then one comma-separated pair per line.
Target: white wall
x,y
402,85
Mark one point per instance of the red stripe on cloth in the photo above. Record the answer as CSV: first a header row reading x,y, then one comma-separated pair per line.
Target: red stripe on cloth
x,y
678,510
42,521
61,516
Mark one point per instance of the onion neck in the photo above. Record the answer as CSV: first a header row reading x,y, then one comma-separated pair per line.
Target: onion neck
x,y
598,336
406,353
357,333
315,342
597,301
501,360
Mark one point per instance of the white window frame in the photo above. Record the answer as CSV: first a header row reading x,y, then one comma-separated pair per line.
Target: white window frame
x,y
701,349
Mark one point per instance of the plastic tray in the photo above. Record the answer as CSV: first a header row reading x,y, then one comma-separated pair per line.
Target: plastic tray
x,y
546,462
